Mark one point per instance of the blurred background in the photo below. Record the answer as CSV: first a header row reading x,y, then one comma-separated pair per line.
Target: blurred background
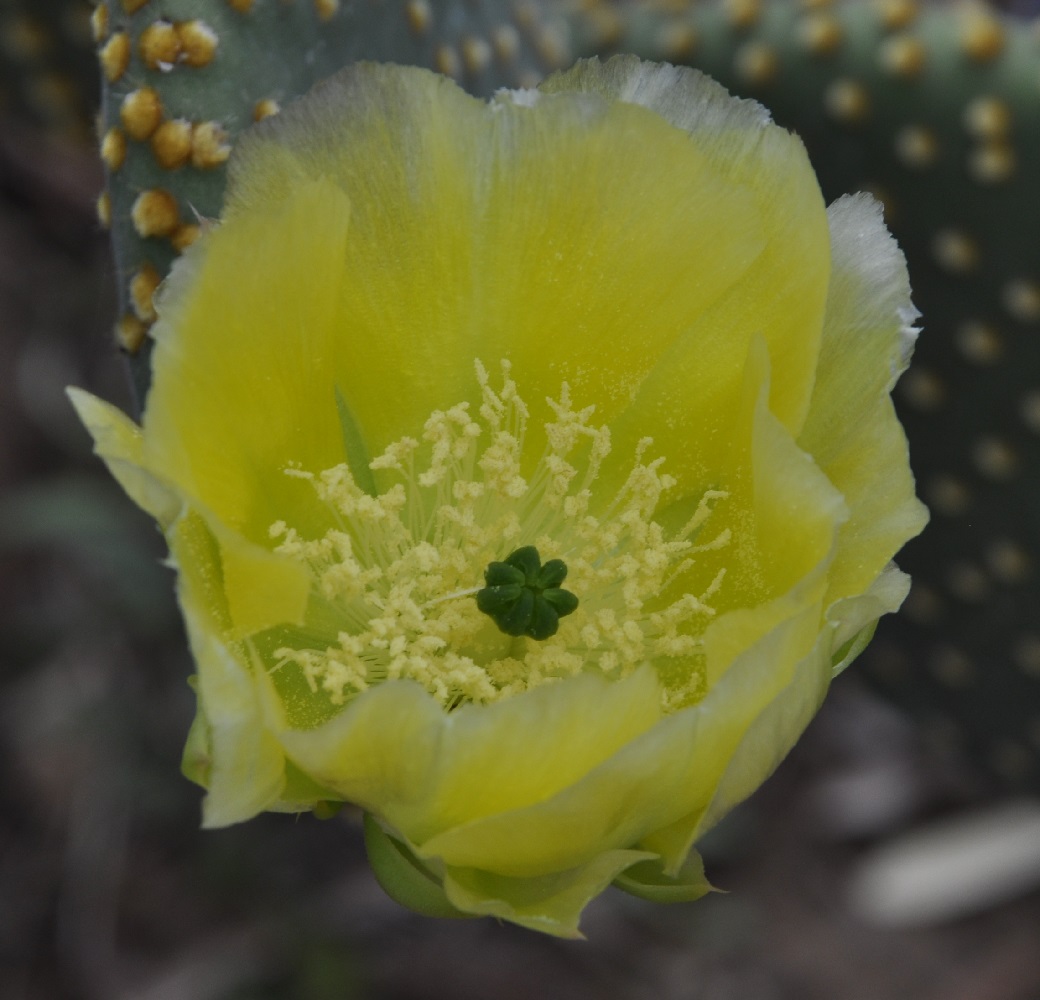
x,y
886,859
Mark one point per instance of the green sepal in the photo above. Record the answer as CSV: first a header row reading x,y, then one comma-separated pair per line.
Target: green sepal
x,y
403,876
647,880
326,809
851,649
197,759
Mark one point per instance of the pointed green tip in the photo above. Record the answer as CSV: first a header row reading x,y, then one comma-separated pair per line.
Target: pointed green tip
x,y
403,877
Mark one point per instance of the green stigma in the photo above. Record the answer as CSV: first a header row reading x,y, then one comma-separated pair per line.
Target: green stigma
x,y
523,597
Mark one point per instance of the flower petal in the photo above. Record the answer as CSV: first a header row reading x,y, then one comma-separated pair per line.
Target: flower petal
x,y
402,876
773,733
395,751
784,515
855,618
119,442
852,429
781,295
262,589
245,772
496,210
235,399
668,772
633,232
551,904
747,723
378,752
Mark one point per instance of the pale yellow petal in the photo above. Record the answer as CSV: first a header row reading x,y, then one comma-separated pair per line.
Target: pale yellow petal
x,y
246,770
666,773
772,734
525,749
395,751
778,680
262,589
781,296
246,358
551,904
783,514
854,618
118,441
852,429
514,234
380,752
630,230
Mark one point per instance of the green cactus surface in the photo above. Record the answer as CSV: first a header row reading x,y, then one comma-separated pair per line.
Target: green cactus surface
x,y
936,109
183,77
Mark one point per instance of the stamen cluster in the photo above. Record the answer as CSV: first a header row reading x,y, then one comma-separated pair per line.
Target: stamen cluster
x,y
400,571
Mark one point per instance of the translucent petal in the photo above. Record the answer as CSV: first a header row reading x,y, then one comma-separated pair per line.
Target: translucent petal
x,y
119,442
487,231
852,429
259,589
664,249
379,752
397,753
747,724
662,775
245,362
784,515
503,802
781,296
551,904
246,769
402,875
262,589
854,618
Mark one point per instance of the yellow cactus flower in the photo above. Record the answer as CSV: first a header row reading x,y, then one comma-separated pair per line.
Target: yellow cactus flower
x,y
529,469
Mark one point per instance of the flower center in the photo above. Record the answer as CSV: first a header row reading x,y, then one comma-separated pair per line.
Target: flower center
x,y
397,580
523,597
